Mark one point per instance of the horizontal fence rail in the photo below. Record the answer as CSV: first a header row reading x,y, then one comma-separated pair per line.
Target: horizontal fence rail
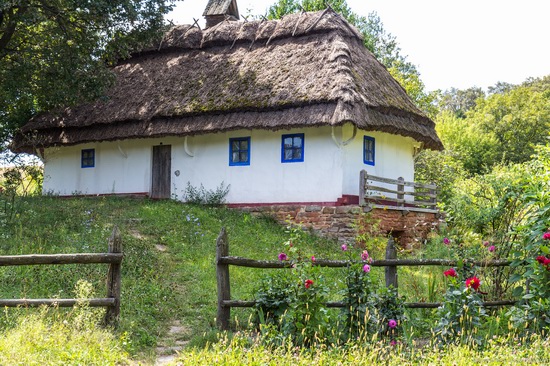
x,y
223,261
113,258
378,192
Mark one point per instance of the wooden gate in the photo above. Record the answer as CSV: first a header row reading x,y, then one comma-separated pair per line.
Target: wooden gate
x,y
162,166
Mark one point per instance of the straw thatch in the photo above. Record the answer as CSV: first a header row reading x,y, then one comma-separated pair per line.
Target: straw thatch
x,y
304,70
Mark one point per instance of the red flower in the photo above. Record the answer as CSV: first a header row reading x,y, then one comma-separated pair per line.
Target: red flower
x,y
546,235
541,259
473,282
450,273
308,283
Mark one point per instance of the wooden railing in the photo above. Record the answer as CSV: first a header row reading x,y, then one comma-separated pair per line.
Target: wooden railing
x,y
113,257
378,192
223,261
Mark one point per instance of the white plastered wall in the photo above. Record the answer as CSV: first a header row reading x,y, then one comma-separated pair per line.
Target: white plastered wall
x,y
394,158
329,170
266,180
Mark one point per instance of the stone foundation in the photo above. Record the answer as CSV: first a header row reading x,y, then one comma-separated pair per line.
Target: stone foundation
x,y
341,222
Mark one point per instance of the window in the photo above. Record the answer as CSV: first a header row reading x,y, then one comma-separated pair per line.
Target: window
x,y
292,150
88,158
239,151
368,150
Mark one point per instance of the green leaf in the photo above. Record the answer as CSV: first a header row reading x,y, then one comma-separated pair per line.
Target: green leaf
x,y
515,278
545,249
517,291
528,296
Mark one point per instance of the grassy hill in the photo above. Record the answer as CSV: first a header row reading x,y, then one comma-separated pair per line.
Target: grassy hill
x,y
168,268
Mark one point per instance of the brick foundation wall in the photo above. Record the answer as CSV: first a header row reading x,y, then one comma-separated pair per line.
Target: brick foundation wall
x,y
339,222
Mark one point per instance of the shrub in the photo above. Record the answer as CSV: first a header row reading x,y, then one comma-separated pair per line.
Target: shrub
x,y
203,196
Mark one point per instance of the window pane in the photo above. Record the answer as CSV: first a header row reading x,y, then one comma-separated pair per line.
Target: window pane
x,y
297,153
235,157
243,157
288,154
297,142
288,142
244,145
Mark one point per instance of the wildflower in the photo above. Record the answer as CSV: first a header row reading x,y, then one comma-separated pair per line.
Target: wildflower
x,y
308,283
283,257
392,323
366,268
546,235
313,258
486,243
541,259
344,247
365,255
451,272
393,343
491,248
473,282
446,241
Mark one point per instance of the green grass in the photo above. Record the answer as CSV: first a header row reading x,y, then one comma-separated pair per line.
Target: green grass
x,y
244,350
168,273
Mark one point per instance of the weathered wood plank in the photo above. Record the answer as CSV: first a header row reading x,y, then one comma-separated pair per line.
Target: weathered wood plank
x,y
252,263
114,280
395,181
370,187
62,303
341,304
81,258
222,274
362,182
402,201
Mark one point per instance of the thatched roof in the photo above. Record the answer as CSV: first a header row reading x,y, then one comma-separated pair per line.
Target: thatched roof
x,y
307,69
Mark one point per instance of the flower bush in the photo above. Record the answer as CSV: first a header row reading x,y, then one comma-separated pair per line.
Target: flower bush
x,y
462,311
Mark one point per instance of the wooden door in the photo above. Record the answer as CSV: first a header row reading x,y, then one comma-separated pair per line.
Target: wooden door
x,y
162,166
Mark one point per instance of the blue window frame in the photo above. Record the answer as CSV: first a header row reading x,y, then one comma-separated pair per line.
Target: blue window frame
x,y
368,150
87,158
292,148
239,151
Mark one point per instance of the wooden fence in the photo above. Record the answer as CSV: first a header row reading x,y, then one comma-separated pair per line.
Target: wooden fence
x,y
223,261
113,257
424,196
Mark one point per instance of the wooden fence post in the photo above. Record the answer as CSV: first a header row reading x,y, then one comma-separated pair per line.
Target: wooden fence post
x,y
362,180
391,271
401,190
222,274
114,279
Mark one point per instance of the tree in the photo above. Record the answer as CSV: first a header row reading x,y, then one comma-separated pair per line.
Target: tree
x,y
460,101
56,53
382,44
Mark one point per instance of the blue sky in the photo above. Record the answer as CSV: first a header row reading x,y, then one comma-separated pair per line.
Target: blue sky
x,y
453,43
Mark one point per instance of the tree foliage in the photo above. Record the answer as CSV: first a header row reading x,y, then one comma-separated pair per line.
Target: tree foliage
x,y
375,37
56,53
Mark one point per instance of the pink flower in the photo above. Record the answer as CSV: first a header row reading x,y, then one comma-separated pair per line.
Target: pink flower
x,y
366,268
546,235
393,343
392,323
365,255
491,248
308,283
451,272
446,241
313,258
486,243
283,257
344,247
473,282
